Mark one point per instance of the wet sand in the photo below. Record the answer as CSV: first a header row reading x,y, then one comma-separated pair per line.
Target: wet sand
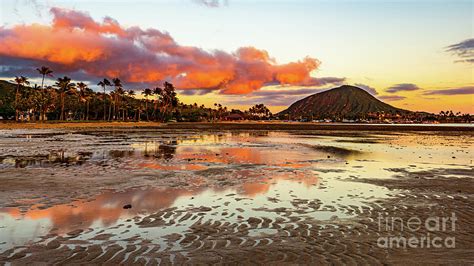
x,y
230,197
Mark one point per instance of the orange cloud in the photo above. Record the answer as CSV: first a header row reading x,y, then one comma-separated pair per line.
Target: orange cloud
x,y
75,43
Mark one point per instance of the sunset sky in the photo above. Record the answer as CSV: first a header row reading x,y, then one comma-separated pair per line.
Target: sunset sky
x,y
416,55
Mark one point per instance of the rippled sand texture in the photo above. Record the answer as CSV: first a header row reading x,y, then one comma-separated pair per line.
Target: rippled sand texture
x,y
233,196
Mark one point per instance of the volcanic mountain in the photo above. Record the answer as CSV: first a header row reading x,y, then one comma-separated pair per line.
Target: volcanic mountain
x,y
345,101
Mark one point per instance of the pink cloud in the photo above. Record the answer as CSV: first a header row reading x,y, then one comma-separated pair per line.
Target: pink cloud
x,y
76,43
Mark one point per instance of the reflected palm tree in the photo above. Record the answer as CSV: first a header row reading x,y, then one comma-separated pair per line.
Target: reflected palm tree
x,y
166,151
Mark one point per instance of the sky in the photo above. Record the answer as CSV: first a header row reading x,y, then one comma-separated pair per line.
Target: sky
x,y
416,55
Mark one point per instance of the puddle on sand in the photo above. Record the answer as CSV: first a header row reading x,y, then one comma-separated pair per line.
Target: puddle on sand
x,y
232,177
271,198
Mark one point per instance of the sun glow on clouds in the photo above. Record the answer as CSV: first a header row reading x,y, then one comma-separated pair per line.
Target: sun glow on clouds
x,y
76,43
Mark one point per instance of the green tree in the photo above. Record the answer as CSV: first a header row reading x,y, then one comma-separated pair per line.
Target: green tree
x,y
157,92
85,96
130,102
64,85
168,99
48,99
147,92
20,82
103,84
44,71
259,111
119,92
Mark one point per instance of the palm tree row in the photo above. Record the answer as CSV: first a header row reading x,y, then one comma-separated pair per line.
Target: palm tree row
x,y
68,100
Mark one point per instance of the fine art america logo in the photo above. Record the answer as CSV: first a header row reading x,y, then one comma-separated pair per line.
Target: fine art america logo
x,y
397,232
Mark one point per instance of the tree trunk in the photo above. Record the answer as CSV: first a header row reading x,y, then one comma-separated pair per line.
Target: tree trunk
x,y
146,110
114,110
110,111
104,103
155,106
44,113
41,114
87,110
42,98
16,102
62,107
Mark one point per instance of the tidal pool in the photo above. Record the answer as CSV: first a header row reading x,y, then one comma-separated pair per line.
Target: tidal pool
x,y
74,184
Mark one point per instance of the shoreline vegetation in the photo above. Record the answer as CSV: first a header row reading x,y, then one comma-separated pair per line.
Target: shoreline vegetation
x,y
66,100
69,100
247,125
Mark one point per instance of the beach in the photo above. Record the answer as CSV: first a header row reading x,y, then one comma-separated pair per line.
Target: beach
x,y
219,132
244,193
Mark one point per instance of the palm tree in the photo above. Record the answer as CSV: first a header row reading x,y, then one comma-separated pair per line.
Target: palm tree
x,y
48,98
85,94
112,96
157,92
147,92
121,98
64,84
44,71
131,95
118,94
20,81
34,101
103,84
168,99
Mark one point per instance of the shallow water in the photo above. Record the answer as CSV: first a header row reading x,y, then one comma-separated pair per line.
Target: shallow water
x,y
226,176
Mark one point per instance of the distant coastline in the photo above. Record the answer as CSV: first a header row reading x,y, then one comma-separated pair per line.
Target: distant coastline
x,y
250,125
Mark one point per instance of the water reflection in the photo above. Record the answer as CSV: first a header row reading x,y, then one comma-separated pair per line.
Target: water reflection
x,y
207,168
264,185
163,151
107,208
59,157
242,155
121,153
233,148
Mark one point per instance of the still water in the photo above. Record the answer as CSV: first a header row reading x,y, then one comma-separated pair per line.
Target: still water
x,y
77,183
